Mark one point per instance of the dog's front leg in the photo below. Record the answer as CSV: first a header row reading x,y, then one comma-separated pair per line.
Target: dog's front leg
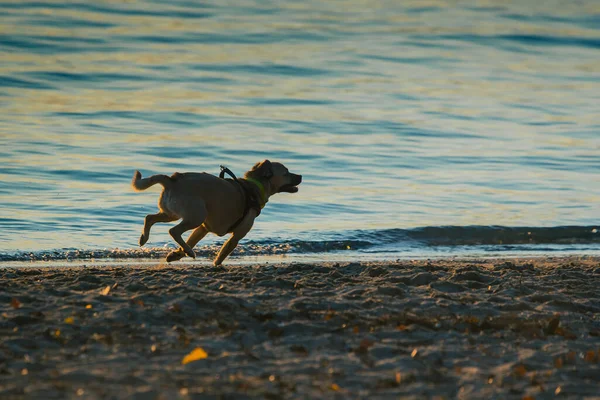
x,y
227,248
242,229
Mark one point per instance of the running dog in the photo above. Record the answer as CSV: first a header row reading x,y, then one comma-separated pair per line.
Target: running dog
x,y
207,203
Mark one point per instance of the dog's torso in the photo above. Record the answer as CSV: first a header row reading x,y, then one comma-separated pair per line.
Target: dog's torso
x,y
224,200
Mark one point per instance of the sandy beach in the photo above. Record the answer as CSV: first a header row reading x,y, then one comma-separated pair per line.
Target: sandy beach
x,y
494,329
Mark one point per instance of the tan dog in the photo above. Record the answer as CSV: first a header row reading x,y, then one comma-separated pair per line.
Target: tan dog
x,y
207,203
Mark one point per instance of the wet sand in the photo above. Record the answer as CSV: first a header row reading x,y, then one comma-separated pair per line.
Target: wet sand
x,y
417,329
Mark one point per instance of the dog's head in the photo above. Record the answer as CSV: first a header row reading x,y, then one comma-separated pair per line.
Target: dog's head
x,y
277,175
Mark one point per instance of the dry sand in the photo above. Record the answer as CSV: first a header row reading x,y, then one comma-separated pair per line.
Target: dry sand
x,y
414,329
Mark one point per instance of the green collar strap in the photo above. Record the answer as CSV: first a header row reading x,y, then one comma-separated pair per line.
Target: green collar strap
x,y
261,188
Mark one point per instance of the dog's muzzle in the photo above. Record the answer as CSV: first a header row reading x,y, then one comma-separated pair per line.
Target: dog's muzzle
x,y
293,186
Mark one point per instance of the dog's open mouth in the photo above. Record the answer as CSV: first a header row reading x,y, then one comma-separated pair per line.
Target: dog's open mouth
x,y
288,188
292,187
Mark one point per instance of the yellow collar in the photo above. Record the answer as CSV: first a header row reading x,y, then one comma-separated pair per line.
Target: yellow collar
x,y
261,188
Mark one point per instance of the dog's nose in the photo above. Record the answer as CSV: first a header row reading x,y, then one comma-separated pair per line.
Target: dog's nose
x,y
299,179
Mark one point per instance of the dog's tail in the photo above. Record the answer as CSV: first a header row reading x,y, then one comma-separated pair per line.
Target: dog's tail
x,y
140,183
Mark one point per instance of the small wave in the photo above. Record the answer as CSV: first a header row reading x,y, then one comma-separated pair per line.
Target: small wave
x,y
501,235
487,238
250,248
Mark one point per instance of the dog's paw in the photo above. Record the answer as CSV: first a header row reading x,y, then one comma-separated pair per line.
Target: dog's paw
x,y
175,255
190,253
143,239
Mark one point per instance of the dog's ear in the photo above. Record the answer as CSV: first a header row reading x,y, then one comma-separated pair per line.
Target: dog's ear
x,y
263,169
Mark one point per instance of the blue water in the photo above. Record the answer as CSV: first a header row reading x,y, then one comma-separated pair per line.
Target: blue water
x,y
420,128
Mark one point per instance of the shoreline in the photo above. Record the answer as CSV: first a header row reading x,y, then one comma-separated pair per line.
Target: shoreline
x,y
466,328
236,260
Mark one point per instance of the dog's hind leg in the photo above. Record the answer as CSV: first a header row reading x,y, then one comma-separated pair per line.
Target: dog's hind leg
x,y
150,220
192,241
179,229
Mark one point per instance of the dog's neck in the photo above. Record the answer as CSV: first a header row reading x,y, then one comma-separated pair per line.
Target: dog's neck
x,y
264,194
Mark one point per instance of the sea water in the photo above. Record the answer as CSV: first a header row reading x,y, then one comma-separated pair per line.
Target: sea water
x,y
421,128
